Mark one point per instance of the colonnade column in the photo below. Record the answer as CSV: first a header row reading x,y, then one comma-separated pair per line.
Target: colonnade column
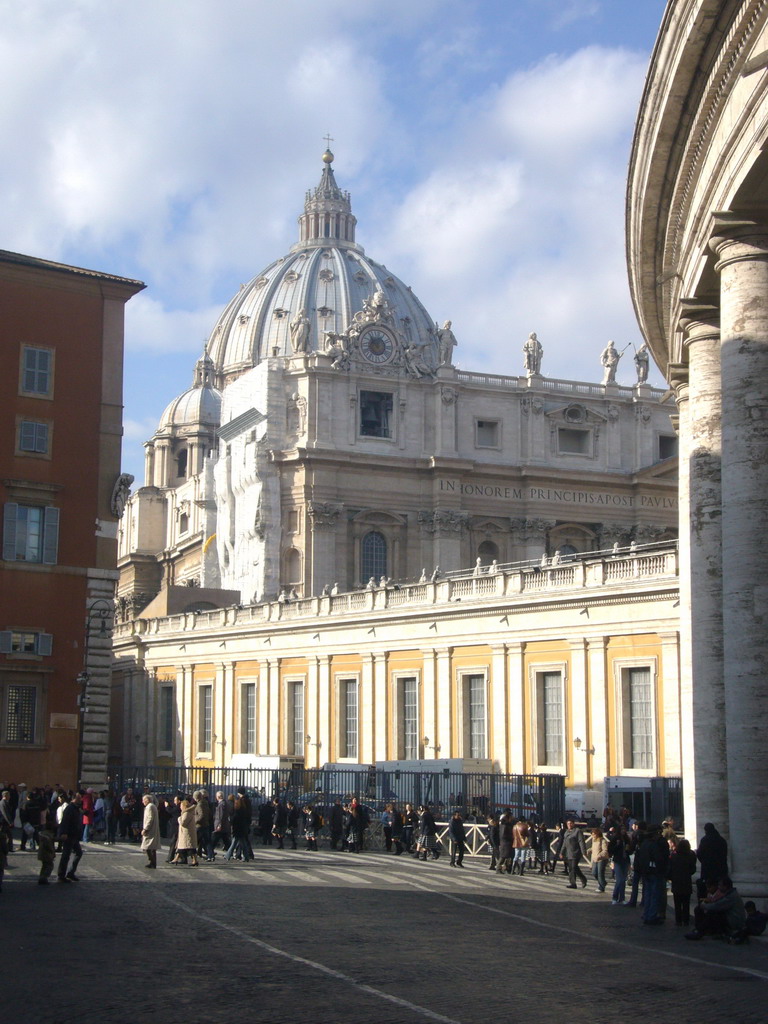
x,y
742,250
702,690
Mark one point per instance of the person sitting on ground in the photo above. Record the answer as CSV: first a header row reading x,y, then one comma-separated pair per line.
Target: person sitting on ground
x,y
720,913
756,919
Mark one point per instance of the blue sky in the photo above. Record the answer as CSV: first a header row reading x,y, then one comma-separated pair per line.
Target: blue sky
x,y
485,145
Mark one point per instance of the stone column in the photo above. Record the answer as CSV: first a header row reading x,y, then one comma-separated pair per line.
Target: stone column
x,y
742,250
702,691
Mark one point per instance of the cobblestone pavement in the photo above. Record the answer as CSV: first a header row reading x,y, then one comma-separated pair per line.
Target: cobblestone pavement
x,y
330,938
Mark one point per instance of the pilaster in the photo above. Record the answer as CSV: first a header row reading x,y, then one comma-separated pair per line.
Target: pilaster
x,y
516,721
498,705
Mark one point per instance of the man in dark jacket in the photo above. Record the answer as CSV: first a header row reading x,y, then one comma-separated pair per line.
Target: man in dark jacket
x,y
458,840
336,824
713,857
70,830
572,850
652,861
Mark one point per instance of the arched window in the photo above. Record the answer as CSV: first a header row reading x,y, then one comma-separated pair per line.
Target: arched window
x,y
373,556
488,552
181,462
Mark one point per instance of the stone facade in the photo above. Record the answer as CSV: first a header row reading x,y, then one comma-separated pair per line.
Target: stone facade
x,y
328,438
574,668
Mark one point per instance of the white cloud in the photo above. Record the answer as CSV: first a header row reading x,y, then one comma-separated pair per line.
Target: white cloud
x,y
520,227
150,326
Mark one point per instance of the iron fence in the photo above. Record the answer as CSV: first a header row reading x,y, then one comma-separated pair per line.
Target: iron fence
x,y
473,794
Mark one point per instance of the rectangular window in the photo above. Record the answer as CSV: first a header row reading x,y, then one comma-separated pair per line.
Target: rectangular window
x,y
475,717
37,371
550,713
667,446
248,718
486,433
296,718
167,718
30,533
21,714
205,719
640,717
410,705
19,642
33,437
375,414
348,718
573,442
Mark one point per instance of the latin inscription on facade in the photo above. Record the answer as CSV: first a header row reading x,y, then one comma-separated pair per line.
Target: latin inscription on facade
x,y
565,495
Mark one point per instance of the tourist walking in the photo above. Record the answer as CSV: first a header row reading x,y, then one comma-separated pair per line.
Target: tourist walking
x,y
506,839
150,830
599,857
241,824
493,840
572,850
69,834
618,851
458,839
521,844
186,844
680,872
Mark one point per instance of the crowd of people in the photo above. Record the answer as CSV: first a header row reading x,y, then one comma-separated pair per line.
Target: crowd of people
x,y
643,863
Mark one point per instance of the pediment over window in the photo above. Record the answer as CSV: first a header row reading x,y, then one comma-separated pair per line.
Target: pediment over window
x,y
575,415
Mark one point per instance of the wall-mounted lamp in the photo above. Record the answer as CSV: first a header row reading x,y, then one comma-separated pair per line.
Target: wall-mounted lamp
x,y
587,750
435,746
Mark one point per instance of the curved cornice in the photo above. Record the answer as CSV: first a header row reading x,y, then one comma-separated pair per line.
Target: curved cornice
x,y
699,56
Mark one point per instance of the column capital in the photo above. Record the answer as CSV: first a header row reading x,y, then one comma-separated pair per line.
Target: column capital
x,y
736,237
677,375
699,321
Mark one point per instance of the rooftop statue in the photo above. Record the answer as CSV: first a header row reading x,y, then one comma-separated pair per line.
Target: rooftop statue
x,y
641,363
448,343
532,353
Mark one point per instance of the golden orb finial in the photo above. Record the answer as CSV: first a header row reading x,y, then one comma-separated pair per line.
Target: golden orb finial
x,y
328,157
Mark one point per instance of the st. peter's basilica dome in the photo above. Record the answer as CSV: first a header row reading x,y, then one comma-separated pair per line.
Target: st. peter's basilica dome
x,y
325,279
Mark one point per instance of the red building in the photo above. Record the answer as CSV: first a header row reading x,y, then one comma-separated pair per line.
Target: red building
x,y
61,339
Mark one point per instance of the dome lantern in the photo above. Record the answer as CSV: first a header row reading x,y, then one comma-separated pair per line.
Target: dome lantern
x,y
327,216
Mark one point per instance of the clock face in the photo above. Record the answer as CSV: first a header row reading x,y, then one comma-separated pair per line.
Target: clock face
x,y
376,346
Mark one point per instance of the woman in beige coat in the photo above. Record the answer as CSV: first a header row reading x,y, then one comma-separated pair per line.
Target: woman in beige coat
x,y
186,844
599,857
150,831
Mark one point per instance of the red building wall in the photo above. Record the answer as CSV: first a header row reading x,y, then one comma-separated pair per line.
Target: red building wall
x,y
78,316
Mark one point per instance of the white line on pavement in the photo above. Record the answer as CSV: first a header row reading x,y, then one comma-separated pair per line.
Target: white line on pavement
x,y
338,975
610,940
